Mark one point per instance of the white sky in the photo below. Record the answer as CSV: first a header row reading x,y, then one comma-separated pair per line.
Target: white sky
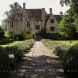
x,y
54,4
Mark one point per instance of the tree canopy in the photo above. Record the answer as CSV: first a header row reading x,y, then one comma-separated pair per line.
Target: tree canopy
x,y
69,24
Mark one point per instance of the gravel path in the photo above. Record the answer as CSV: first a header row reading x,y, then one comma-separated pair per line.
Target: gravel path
x,y
40,62
39,49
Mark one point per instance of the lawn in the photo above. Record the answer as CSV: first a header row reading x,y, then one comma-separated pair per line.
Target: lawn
x,y
56,43
26,44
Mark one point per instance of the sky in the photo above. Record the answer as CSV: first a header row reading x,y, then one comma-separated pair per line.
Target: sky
x,y
54,4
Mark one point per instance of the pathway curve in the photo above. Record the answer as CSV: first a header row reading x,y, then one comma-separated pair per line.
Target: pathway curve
x,y
40,62
39,49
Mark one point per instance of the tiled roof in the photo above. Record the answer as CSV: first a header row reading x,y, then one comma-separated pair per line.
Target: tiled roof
x,y
34,13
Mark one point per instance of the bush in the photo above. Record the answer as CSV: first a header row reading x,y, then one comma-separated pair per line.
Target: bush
x,y
5,41
6,62
54,36
1,34
28,35
17,37
14,50
8,35
72,52
71,60
4,59
60,51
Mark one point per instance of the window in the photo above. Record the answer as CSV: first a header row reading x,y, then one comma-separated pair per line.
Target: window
x,y
52,20
12,24
37,27
52,28
41,20
28,24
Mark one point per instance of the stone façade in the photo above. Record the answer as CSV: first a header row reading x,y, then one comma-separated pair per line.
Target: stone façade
x,y
22,20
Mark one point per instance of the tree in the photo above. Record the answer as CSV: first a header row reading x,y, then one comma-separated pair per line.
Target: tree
x,y
69,22
1,34
66,2
67,26
72,3
13,10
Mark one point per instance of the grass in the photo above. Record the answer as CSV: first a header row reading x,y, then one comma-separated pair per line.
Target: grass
x,y
26,44
57,43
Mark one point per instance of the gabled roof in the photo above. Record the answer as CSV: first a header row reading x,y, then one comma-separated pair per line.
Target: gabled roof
x,y
34,13
57,17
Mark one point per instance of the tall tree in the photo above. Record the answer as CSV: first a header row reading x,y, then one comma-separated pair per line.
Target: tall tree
x,y
69,22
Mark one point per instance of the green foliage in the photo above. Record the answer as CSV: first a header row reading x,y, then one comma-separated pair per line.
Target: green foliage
x,y
8,34
3,56
5,41
24,45
1,34
72,53
17,48
71,60
18,37
28,35
5,38
67,26
61,52
62,2
70,21
7,63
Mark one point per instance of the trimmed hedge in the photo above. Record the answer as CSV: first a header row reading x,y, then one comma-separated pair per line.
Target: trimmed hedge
x,y
61,52
17,48
7,63
71,61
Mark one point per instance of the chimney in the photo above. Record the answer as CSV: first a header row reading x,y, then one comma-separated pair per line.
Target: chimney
x,y
50,10
24,5
16,4
43,11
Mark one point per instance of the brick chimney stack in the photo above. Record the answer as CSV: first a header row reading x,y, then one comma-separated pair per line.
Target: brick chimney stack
x,y
24,5
43,11
50,10
16,4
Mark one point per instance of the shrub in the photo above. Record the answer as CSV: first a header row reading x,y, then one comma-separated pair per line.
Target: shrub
x,y
28,35
17,37
1,34
72,52
18,53
4,60
60,51
8,35
7,63
71,60
48,35
5,41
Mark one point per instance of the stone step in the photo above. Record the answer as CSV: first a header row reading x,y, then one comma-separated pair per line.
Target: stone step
x,y
31,68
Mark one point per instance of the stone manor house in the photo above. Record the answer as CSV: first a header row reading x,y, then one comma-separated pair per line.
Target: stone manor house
x,y
22,20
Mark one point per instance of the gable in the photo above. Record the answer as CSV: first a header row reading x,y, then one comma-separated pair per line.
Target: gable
x,y
34,13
